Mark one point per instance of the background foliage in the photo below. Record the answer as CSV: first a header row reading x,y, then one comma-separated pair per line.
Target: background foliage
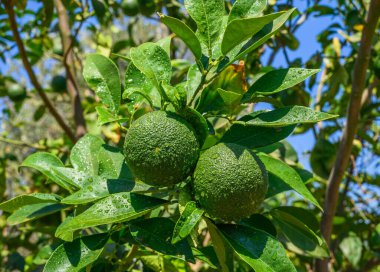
x,y
58,38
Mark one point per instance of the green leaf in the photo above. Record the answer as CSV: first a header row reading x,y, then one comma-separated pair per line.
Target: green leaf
x,y
154,63
207,255
260,38
105,116
302,239
71,176
229,98
177,95
352,248
33,211
77,255
156,233
83,156
136,81
208,15
247,8
45,162
254,136
67,236
223,251
186,222
165,44
23,200
113,209
283,178
184,33
257,248
198,122
278,80
259,221
194,79
239,30
100,188
286,116
102,75
112,163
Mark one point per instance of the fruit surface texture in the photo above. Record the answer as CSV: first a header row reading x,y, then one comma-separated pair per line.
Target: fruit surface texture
x,y
230,182
161,148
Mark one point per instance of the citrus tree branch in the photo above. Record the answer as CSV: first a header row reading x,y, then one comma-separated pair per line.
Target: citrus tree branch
x,y
343,156
68,62
31,74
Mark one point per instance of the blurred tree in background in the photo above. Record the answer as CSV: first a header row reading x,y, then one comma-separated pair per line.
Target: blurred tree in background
x,y
47,106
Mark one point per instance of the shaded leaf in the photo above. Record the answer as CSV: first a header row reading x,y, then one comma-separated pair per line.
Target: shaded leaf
x,y
112,163
259,221
156,233
105,117
76,255
257,248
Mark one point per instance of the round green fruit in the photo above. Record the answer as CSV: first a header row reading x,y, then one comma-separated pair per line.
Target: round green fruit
x,y
58,84
130,7
230,182
322,158
16,92
147,7
161,148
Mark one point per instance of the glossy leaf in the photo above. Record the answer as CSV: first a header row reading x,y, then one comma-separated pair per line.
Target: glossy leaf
x,y
352,248
101,188
239,30
254,136
260,38
165,44
23,200
184,33
186,222
257,248
222,250
112,209
283,178
259,221
102,75
286,116
105,116
152,60
247,8
156,234
67,236
194,79
112,163
207,255
136,81
44,162
83,156
208,15
302,239
198,122
278,80
77,255
33,211
71,176
229,98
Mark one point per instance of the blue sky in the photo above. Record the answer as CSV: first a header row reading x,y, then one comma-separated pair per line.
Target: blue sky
x,y
306,34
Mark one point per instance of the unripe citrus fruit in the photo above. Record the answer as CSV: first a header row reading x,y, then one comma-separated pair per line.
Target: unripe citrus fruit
x,y
58,84
230,181
16,92
322,157
130,7
161,148
147,7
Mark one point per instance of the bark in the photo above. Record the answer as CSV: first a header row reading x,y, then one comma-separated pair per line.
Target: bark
x,y
350,129
32,75
68,62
